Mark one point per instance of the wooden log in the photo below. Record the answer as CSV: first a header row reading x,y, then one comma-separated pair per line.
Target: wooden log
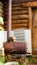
x,y
1,4
6,13
6,2
19,16
1,14
14,5
1,10
5,22
1,7
5,18
26,4
30,4
35,44
20,12
6,8
19,22
19,8
15,25
18,28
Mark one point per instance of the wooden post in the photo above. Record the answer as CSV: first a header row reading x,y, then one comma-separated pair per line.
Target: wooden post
x,y
30,18
30,23
9,19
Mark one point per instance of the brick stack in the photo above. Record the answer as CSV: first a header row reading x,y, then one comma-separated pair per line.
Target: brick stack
x,y
1,16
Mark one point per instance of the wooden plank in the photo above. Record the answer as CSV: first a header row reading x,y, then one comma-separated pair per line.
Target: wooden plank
x,y
5,6
1,10
6,13
1,7
25,20
30,4
19,8
18,4
25,24
34,45
1,14
5,27
19,16
18,28
19,21
19,12
26,4
34,52
19,25
30,18
30,22
5,22
1,4
6,9
6,2
34,30
5,18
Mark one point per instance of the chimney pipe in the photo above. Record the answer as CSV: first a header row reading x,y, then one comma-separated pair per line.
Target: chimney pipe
x,y
9,19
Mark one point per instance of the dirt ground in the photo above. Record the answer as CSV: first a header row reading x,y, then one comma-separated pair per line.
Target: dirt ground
x,y
28,60
31,61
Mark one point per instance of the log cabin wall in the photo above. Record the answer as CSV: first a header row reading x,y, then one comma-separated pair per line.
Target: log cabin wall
x,y
20,16
5,15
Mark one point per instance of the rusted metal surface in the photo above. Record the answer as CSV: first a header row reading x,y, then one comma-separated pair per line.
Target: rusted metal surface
x,y
16,47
